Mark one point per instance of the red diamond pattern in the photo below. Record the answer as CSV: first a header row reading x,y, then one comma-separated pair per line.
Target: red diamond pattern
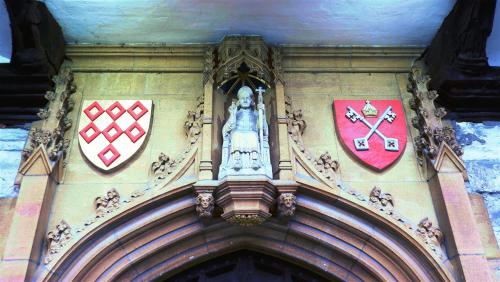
x,y
84,132
115,105
111,134
138,135
132,109
104,159
88,111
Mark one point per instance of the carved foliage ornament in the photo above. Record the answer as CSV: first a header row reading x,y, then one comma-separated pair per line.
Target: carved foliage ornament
x,y
382,201
56,239
428,118
430,234
51,133
246,220
193,128
108,203
296,126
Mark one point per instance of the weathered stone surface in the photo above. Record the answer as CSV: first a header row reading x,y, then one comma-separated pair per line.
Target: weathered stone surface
x,y
481,143
11,145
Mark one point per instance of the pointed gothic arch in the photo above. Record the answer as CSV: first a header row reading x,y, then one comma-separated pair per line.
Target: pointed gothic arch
x,y
328,235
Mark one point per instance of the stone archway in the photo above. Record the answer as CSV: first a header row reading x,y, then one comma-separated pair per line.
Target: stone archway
x,y
247,266
327,235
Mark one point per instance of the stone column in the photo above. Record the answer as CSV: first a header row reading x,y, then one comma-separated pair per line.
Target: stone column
x,y
456,217
29,222
285,164
206,169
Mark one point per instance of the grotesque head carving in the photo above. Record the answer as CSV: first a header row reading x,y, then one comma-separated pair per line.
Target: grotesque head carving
x,y
205,204
286,204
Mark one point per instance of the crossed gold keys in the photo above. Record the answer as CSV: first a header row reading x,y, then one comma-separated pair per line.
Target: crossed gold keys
x,y
362,144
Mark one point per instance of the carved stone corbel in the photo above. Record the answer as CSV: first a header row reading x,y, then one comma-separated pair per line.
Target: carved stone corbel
x,y
246,201
56,239
428,120
286,204
205,203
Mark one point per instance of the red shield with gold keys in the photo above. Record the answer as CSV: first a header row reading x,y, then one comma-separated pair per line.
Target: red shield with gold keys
x,y
110,132
373,131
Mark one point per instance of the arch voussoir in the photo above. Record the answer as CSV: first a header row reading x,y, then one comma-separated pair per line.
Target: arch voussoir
x,y
164,236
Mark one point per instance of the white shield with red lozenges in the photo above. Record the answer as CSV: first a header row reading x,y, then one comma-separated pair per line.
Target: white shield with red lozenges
x,y
110,132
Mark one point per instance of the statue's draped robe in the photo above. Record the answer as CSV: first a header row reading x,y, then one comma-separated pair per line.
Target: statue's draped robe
x,y
241,140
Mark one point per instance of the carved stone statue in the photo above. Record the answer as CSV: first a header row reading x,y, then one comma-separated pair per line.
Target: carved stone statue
x,y
245,134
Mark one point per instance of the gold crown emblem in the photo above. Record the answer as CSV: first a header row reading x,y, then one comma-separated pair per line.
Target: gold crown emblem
x,y
369,110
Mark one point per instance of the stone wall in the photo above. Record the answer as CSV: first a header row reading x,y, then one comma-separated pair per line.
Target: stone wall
x,y
481,143
172,78
11,145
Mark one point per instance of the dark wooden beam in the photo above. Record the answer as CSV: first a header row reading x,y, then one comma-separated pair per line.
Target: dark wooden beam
x,y
38,52
457,61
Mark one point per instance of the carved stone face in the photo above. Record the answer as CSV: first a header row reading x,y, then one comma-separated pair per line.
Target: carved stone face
x,y
288,202
205,200
245,96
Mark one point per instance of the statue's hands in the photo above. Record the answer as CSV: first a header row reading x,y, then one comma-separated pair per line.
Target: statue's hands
x,y
232,109
261,106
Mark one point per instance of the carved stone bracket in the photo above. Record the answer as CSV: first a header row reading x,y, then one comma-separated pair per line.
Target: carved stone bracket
x,y
428,118
286,204
245,201
204,199
55,120
56,239
205,204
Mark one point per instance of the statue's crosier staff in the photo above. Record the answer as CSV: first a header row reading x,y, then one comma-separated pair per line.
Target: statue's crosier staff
x,y
260,101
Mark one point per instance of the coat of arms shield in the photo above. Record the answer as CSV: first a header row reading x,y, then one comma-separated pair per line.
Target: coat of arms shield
x,y
110,132
373,131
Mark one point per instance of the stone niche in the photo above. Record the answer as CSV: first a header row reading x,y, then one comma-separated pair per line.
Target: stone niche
x,y
246,192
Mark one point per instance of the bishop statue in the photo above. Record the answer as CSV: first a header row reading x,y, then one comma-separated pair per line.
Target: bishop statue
x,y
245,149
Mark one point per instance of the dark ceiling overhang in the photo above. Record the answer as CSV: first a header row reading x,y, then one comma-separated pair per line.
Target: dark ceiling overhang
x,y
458,65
